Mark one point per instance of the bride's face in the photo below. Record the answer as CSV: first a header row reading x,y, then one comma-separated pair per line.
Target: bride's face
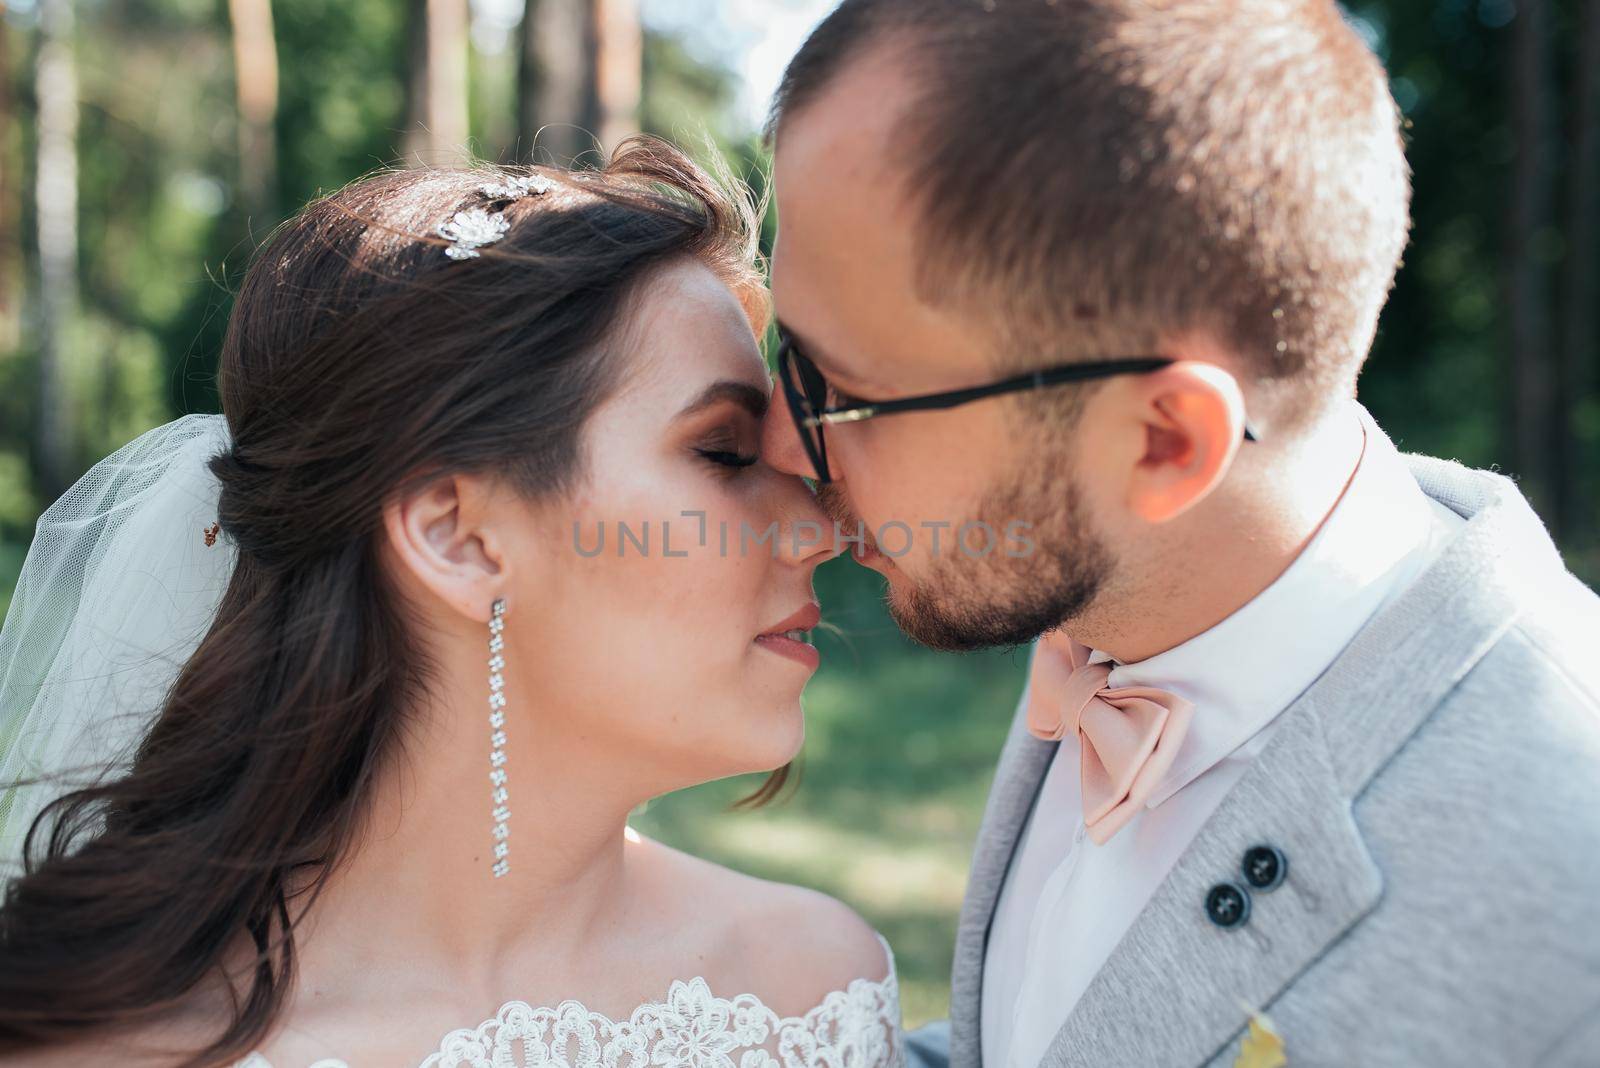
x,y
644,636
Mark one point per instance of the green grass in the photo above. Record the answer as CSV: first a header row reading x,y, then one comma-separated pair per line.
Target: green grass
x,y
901,745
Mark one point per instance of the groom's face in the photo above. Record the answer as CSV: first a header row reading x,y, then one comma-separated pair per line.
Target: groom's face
x,y
975,514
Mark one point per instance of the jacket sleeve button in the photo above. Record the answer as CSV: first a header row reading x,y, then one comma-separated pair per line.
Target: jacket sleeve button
x,y
1228,905
1265,867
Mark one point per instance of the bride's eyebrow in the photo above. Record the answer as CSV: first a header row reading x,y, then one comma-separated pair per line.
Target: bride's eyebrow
x,y
743,394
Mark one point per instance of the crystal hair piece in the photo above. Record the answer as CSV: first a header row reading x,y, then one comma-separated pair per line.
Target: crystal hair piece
x,y
518,185
470,230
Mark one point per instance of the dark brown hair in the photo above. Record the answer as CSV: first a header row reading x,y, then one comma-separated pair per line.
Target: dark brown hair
x,y
1102,176
360,361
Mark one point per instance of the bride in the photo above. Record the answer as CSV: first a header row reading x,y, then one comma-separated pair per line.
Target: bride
x,y
381,708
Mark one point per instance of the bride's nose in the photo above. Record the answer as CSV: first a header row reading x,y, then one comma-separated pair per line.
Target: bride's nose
x,y
805,533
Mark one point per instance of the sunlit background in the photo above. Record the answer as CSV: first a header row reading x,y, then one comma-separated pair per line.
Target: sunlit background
x,y
146,145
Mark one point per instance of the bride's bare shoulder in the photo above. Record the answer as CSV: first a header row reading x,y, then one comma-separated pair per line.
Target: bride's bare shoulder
x,y
790,945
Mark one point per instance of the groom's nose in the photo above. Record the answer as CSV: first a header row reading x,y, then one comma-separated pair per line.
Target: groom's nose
x,y
781,447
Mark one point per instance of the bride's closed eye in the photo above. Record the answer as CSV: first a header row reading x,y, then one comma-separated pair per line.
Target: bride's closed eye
x,y
728,458
731,446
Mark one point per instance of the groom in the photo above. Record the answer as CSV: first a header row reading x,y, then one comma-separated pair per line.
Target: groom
x,y
1313,728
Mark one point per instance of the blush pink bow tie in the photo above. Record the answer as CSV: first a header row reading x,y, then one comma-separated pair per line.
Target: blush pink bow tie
x,y
1128,735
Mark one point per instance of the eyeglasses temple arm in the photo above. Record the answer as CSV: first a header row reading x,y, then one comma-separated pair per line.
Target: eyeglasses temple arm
x,y
1015,384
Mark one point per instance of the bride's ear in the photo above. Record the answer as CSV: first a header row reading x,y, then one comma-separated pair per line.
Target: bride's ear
x,y
443,537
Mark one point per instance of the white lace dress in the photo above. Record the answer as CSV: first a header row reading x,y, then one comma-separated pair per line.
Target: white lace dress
x,y
857,1027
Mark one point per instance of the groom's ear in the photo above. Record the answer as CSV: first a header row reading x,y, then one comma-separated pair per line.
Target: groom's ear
x,y
1192,417
443,537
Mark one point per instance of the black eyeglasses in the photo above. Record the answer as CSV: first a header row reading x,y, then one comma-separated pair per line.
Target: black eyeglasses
x,y
807,392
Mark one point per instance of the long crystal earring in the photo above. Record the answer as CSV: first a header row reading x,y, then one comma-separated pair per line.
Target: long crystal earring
x,y
497,737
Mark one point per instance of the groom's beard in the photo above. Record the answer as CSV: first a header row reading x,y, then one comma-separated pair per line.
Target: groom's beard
x,y
965,602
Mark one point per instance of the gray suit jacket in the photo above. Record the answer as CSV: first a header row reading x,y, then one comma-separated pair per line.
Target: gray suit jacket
x,y
1437,792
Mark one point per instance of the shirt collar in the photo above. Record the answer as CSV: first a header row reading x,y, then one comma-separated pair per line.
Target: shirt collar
x,y
1247,669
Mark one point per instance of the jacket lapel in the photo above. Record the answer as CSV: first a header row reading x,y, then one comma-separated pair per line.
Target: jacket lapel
x,y
1177,988
1021,772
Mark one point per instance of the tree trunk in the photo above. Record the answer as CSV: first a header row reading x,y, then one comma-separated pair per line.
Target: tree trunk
x,y
436,120
1531,368
619,69
556,105
10,245
579,78
255,64
56,209
1578,351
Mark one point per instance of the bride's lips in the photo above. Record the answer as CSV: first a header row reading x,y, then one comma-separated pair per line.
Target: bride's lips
x,y
781,637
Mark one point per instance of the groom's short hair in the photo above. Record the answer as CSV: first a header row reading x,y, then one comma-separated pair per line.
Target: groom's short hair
x,y
1099,175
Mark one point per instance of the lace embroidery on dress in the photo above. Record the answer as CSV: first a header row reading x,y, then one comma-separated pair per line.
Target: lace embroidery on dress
x,y
858,1027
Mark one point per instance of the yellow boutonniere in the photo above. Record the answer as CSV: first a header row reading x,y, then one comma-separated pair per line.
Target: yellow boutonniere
x,y
1262,1047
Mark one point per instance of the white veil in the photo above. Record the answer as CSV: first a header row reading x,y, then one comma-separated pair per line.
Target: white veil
x,y
116,591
